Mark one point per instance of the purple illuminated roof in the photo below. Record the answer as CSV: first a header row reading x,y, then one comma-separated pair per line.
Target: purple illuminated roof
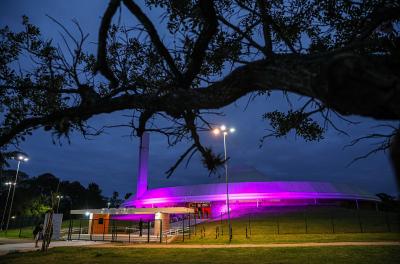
x,y
242,191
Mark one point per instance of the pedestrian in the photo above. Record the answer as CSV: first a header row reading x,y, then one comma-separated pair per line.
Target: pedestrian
x,y
38,234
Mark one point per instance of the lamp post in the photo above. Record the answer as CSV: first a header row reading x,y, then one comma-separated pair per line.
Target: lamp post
x,y
19,157
223,129
5,206
59,197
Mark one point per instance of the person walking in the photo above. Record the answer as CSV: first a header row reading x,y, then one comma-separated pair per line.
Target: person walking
x,y
38,234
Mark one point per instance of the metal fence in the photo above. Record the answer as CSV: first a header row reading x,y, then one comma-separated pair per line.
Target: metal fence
x,y
253,223
301,220
120,231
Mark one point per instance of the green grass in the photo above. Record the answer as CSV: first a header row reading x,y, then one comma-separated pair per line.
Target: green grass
x,y
365,255
313,225
27,231
288,238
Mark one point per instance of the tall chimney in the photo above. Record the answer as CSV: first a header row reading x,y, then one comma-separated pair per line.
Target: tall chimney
x,y
141,187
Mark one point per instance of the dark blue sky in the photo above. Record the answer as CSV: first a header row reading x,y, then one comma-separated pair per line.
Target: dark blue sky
x,y
111,159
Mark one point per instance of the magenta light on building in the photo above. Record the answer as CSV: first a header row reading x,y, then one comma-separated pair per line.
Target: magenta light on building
x,y
210,199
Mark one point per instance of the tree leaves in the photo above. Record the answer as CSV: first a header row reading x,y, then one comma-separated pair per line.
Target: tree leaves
x,y
301,123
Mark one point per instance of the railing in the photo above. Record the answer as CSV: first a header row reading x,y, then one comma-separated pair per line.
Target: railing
x,y
125,231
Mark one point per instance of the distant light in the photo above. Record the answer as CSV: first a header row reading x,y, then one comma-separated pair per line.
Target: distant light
x,y
223,128
13,217
216,131
232,130
225,133
87,213
21,157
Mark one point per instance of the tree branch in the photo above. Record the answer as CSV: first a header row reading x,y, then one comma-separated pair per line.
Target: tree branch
x,y
209,30
151,30
266,26
339,90
171,170
102,63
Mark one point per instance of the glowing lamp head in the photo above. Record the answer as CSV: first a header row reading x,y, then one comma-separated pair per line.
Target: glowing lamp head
x,y
216,131
232,130
87,213
21,157
223,128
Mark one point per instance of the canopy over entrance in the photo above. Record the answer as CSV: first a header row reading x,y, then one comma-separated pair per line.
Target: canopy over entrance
x,y
127,211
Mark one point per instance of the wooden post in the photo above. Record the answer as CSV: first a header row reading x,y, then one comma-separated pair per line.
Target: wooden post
x,y
359,221
277,223
305,220
387,221
80,228
161,230
69,228
148,231
104,226
249,225
195,225
183,228
116,230
21,223
129,233
91,226
189,226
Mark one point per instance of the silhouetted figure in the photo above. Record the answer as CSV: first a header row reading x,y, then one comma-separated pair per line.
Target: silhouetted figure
x,y
38,234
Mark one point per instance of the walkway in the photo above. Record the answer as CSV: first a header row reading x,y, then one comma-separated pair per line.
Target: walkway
x,y
24,247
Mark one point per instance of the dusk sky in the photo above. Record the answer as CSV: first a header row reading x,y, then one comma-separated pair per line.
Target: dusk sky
x,y
111,159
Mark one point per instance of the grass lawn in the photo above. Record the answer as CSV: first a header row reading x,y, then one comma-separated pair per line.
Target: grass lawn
x,y
292,225
289,238
27,231
367,254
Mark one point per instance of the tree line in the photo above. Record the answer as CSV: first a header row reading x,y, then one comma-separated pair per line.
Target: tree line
x,y
33,195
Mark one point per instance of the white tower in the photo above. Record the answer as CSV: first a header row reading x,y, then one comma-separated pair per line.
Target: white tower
x,y
141,187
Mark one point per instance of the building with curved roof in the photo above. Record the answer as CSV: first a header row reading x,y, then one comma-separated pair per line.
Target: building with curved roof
x,y
211,198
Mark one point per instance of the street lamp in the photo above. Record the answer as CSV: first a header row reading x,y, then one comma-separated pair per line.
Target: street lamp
x,y
5,206
225,131
59,197
19,157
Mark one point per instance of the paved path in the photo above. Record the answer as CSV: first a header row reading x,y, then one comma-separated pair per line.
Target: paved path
x,y
275,245
23,247
12,240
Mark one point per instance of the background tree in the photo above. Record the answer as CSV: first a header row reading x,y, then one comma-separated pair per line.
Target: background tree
x,y
342,56
115,201
34,196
